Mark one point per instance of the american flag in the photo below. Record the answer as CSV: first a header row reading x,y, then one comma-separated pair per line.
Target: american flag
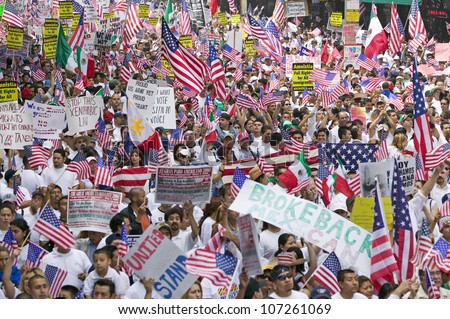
x,y
326,274
127,178
269,98
176,136
382,152
263,37
278,11
156,153
324,77
396,101
416,42
397,35
55,278
274,83
437,156
264,167
232,6
34,256
81,168
49,226
216,73
403,234
123,248
238,73
295,147
218,268
217,242
133,23
422,133
37,156
432,62
185,21
11,15
188,69
416,25
355,184
9,242
127,66
103,175
442,246
103,137
36,72
305,52
349,154
433,290
305,97
77,38
285,258
367,63
274,39
382,260
371,84
424,245
79,83
246,101
238,181
230,52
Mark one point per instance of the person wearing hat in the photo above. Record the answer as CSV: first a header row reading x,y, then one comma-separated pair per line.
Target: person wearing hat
x,y
13,179
242,149
118,122
320,292
77,143
225,127
283,279
58,175
258,176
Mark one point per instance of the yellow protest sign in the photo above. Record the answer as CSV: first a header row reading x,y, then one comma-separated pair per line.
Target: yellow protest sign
x,y
50,47
186,41
144,10
14,38
65,10
244,34
235,19
153,21
249,46
336,19
167,66
300,76
223,18
8,91
50,28
108,15
362,213
352,16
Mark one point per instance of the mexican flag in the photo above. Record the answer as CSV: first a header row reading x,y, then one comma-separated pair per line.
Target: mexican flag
x,y
340,181
296,177
376,40
86,64
64,53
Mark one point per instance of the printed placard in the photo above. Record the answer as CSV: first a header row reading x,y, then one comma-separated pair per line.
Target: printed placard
x,y
336,19
143,11
65,10
235,19
223,18
14,38
50,28
296,9
300,76
291,59
352,16
363,214
186,41
249,46
153,21
8,92
50,47
249,245
82,113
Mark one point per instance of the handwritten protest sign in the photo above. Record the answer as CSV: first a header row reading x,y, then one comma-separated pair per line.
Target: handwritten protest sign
x,y
92,209
14,38
163,110
363,214
316,224
296,9
143,96
16,130
65,10
300,76
177,185
48,120
8,92
82,113
143,11
249,244
351,54
155,256
9,106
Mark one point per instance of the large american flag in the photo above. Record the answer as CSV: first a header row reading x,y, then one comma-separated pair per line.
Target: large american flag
x,y
103,175
260,34
133,23
11,15
382,260
278,11
324,77
9,242
34,256
188,69
185,21
326,274
55,278
433,290
218,268
349,154
416,24
397,35
77,38
49,226
37,155
238,181
422,133
404,246
442,246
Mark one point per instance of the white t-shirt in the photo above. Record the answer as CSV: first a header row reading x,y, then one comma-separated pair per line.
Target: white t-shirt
x,y
294,295
269,243
31,181
112,275
59,176
137,291
184,241
356,295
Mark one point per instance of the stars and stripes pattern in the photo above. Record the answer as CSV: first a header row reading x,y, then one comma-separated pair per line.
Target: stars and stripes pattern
x,y
185,21
397,34
382,152
34,256
37,156
77,38
123,248
349,154
103,175
216,73
232,6
278,11
437,156
433,290
55,278
133,23
324,77
238,181
9,242
367,63
217,242
424,245
230,52
355,184
81,168
326,274
11,15
127,178
49,226
264,166
103,137
416,25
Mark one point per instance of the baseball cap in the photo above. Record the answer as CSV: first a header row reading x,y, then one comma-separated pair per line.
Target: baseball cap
x,y
242,135
229,135
91,158
382,127
225,116
320,293
10,198
10,173
118,114
185,152
48,145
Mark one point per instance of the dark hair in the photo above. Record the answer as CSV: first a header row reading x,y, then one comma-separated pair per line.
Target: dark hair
x,y
172,211
341,274
265,128
363,279
116,221
7,205
275,139
342,130
386,290
71,289
21,224
105,283
141,156
60,151
282,240
103,251
325,130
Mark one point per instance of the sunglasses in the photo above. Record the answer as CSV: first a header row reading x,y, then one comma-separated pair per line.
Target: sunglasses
x,y
283,278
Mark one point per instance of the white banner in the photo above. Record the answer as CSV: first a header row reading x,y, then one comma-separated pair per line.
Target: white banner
x,y
155,256
163,111
16,130
143,96
83,112
48,120
303,218
9,107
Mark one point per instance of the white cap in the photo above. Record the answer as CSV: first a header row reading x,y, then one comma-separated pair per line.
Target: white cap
x,y
91,158
48,145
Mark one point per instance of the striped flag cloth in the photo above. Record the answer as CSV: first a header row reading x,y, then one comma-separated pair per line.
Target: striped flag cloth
x,y
37,156
103,137
77,38
274,83
324,77
133,23
264,167
403,234
416,42
216,267
11,15
185,21
9,242
131,177
246,101
305,97
416,25
238,181
230,52
382,259
232,6
55,278
216,73
326,274
49,226
371,84
270,98
382,152
217,242
355,184
285,258
81,168
123,248
420,172
34,256
367,63
295,147
396,101
176,136
433,290
437,156
397,34
424,245
103,175
278,11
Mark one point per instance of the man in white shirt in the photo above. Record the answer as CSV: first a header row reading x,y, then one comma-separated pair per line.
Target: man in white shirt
x,y
348,282
57,174
173,217
442,187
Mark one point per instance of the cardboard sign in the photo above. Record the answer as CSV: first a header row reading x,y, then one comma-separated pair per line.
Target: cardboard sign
x,y
336,19
235,19
186,41
153,21
300,76
349,32
82,113
249,46
442,52
8,92
163,112
315,223
11,106
296,9
351,54
363,214
14,38
48,120
108,15
177,185
249,244
144,10
50,47
65,10
92,209
143,96
16,130
155,256
91,15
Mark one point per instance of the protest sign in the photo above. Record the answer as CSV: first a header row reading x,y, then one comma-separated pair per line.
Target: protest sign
x,y
349,32
142,94
336,19
163,110
102,41
14,37
316,224
8,92
178,185
11,106
351,54
50,47
153,21
407,169
186,41
249,244
92,209
234,39
50,28
361,36
363,214
168,67
235,19
296,9
352,16
155,256
82,113
16,130
90,14
249,46
108,15
223,18
48,120
442,52
143,11
291,59
65,10
300,76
